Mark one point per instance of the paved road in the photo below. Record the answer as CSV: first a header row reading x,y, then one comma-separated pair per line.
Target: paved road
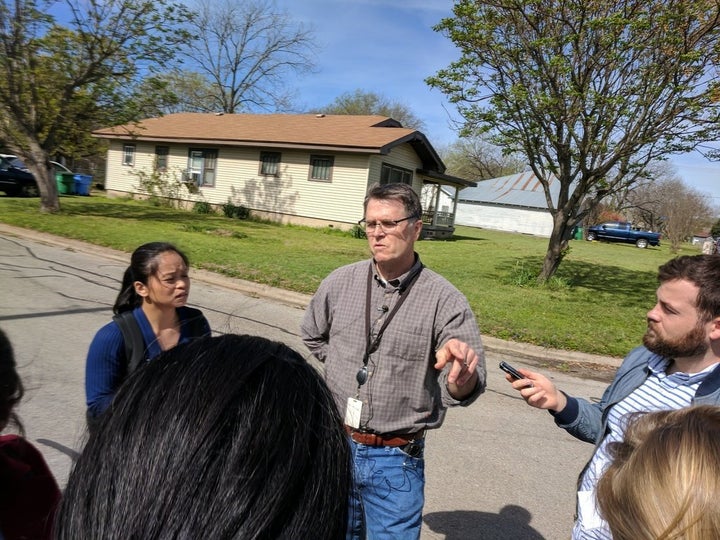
x,y
496,470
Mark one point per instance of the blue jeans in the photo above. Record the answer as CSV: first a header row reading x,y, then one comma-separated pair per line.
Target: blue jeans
x,y
389,493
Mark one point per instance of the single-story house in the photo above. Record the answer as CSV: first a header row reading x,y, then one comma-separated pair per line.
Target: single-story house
x,y
514,203
699,237
311,169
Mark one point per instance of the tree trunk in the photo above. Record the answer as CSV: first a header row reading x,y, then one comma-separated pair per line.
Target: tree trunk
x,y
49,197
39,165
557,247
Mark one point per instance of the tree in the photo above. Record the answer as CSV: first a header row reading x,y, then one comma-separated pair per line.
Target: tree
x,y
363,102
642,203
684,210
60,81
474,158
589,91
186,91
669,206
664,204
246,51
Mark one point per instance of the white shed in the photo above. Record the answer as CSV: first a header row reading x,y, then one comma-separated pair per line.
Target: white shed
x,y
514,203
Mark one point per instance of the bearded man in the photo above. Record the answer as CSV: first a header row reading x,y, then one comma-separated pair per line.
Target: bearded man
x,y
676,367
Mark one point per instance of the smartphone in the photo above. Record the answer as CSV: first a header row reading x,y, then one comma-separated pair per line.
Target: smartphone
x,y
514,373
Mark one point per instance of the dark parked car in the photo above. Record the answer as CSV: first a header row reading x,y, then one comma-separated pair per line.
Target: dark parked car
x,y
15,179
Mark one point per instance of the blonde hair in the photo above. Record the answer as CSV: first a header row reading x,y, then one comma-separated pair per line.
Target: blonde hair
x,y
664,481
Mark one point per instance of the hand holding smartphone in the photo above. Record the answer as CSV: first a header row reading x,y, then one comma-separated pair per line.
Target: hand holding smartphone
x,y
514,373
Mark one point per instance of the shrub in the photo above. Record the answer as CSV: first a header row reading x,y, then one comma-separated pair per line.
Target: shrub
x,y
203,207
357,232
161,187
236,211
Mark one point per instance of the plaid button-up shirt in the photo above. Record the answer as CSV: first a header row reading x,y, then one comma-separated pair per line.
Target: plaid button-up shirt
x,y
404,392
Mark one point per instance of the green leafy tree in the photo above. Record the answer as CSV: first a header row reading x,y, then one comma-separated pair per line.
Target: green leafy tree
x,y
363,102
61,81
588,90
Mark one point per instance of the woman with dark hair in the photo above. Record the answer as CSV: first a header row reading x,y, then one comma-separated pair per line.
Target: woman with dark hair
x,y
28,492
151,316
226,437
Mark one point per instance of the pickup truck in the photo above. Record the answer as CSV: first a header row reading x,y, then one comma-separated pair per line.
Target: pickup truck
x,y
620,231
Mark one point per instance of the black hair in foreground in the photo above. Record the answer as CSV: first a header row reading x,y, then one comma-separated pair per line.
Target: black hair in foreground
x,y
11,388
225,437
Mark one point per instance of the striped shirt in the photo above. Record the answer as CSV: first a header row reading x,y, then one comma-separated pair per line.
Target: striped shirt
x,y
658,393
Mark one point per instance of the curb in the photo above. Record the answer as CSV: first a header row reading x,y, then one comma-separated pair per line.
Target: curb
x,y
537,355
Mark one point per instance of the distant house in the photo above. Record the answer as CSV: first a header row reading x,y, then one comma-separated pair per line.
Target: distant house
x,y
699,237
514,203
303,169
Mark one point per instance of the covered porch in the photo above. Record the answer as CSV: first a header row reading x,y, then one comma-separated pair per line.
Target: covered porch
x,y
439,197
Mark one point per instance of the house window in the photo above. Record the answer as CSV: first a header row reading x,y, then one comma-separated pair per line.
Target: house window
x,y
321,168
390,174
270,163
129,155
161,158
201,166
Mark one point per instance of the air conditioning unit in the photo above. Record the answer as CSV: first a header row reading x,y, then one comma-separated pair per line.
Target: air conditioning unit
x,y
191,180
189,177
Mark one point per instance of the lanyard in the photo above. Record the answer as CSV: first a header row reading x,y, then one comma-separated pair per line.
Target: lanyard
x,y
371,345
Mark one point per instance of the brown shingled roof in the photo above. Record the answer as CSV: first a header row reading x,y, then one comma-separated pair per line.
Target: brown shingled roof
x,y
370,133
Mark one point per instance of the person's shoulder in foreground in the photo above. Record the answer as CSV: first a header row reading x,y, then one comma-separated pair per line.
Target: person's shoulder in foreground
x,y
29,494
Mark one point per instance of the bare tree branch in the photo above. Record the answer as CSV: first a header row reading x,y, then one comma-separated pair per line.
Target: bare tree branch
x,y
246,51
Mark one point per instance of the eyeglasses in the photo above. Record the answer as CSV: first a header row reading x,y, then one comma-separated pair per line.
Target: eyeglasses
x,y
386,225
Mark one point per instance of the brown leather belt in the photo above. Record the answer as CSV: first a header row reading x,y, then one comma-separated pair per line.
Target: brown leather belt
x,y
375,439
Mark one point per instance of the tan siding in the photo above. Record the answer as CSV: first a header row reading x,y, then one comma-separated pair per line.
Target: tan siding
x,y
289,195
119,177
401,156
342,198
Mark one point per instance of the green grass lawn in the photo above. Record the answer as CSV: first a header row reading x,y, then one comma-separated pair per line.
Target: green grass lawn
x,y
596,303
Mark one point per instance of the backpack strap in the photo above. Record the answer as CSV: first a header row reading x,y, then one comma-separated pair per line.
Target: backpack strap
x,y
195,322
133,339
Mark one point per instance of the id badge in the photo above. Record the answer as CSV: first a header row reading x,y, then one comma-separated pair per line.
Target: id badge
x,y
353,412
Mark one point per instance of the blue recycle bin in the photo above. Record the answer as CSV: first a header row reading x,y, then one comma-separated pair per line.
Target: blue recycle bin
x,y
82,184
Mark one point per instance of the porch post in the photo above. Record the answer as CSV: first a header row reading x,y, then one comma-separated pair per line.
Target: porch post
x,y
455,203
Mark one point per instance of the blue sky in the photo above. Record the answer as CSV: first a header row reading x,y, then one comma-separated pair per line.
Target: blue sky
x,y
389,47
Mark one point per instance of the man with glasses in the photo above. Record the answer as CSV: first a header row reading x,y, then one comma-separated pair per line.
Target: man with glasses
x,y
400,344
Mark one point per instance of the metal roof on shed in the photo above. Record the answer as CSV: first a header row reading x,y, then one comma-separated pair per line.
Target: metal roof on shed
x,y
519,190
